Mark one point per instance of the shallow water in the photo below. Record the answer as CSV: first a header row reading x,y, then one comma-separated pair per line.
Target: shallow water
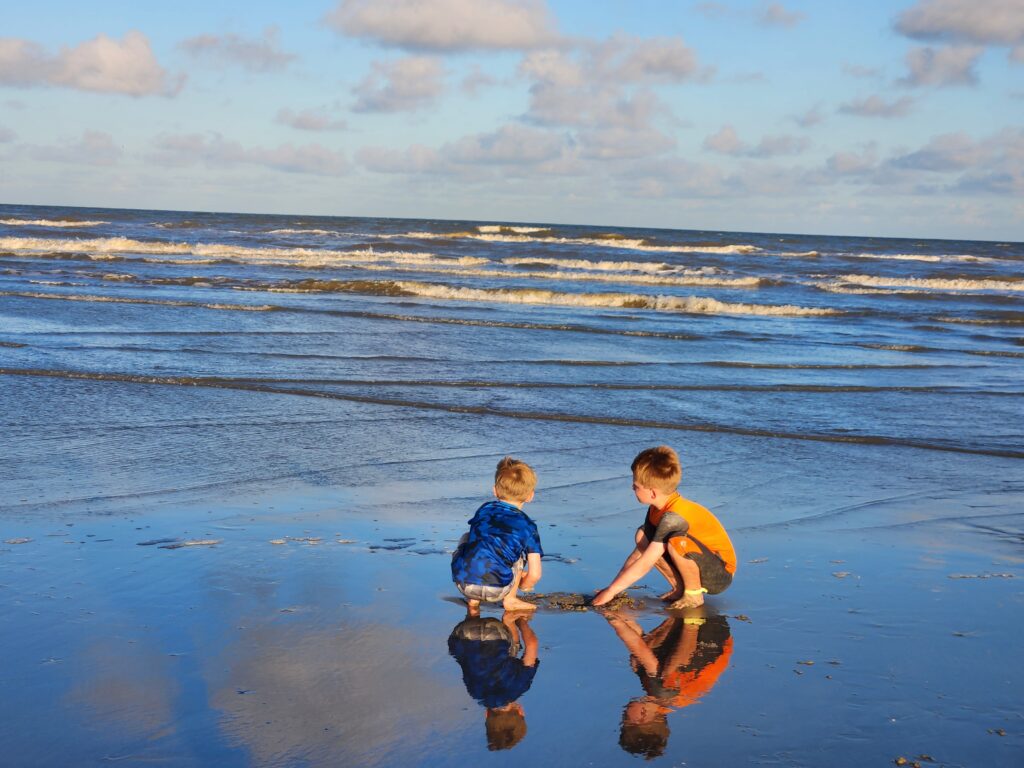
x,y
388,365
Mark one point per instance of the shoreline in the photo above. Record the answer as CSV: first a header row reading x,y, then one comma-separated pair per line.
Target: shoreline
x,y
852,629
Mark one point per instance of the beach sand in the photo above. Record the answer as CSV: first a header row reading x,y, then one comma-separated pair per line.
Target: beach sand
x,y
875,614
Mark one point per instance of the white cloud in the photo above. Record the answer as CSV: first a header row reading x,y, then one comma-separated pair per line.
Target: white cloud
x,y
989,166
512,149
727,142
6,134
620,142
876,106
447,25
509,145
853,163
261,55
403,85
476,81
675,178
948,152
92,148
859,70
767,15
713,10
775,14
991,22
942,66
101,64
22,62
810,118
415,159
627,59
595,91
214,151
310,120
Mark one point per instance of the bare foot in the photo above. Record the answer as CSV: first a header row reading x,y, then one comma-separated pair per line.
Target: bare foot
x,y
513,603
689,601
672,595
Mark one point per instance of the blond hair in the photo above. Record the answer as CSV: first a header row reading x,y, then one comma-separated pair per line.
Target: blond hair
x,y
657,468
514,480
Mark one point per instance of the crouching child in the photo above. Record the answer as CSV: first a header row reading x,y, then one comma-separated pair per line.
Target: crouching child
x,y
501,553
682,539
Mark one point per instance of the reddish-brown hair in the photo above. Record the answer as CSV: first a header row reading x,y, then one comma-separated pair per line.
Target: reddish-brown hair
x,y
657,468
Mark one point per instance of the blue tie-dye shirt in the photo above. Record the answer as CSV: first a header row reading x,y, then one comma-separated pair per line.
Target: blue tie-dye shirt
x,y
499,535
492,674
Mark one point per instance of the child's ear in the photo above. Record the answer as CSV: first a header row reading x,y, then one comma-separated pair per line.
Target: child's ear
x,y
494,490
532,494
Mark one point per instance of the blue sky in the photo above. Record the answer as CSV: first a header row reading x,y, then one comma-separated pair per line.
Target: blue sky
x,y
871,117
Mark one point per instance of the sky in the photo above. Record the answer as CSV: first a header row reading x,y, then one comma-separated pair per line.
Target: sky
x,y
901,118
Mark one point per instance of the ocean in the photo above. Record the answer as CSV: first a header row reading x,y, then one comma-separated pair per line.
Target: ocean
x,y
880,341
851,407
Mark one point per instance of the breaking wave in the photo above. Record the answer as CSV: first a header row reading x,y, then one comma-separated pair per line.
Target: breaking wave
x,y
59,223
301,232
930,258
658,267
932,283
611,241
493,228
130,300
112,247
680,304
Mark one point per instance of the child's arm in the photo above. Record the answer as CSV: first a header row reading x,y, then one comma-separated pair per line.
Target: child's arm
x,y
533,573
529,639
632,571
633,639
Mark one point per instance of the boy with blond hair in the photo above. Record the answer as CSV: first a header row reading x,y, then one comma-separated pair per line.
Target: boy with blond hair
x,y
682,539
488,564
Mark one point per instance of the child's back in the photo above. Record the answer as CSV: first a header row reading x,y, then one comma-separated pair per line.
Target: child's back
x,y
502,540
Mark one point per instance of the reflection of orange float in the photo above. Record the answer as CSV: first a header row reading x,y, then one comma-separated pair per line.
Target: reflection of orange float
x,y
682,660
707,647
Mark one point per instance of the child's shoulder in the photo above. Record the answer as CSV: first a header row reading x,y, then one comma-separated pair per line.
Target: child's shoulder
x,y
683,506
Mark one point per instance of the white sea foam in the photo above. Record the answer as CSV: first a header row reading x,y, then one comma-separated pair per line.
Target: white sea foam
x,y
301,232
102,245
555,275
926,257
488,228
932,284
683,304
658,267
130,300
1018,320
838,287
632,244
113,247
60,223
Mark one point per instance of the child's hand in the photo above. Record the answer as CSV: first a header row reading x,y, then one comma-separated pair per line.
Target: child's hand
x,y
602,597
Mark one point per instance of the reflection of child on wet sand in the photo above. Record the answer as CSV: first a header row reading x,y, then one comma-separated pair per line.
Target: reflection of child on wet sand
x,y
677,663
494,673
489,561
683,540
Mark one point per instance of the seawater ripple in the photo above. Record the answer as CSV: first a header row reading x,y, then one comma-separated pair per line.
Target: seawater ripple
x,y
255,386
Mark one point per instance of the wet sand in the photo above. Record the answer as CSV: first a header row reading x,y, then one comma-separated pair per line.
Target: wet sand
x,y
875,615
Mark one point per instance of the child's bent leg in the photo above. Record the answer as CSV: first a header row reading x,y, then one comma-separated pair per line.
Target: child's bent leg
x,y
512,601
673,578
690,573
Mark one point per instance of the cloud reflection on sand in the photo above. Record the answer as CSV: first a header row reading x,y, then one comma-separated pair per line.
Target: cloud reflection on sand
x,y
352,695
